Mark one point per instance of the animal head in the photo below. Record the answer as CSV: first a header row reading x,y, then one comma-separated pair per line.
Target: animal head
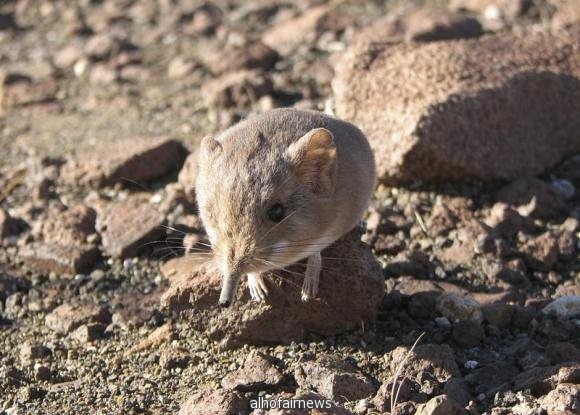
x,y
262,201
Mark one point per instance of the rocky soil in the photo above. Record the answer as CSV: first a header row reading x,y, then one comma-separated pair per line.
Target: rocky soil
x,y
472,238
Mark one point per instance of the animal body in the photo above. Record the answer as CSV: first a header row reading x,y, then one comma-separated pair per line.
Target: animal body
x,y
277,188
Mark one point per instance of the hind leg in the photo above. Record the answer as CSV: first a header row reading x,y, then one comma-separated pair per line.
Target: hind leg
x,y
311,277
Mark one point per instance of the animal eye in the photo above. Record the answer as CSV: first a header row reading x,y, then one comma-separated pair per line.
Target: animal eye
x,y
276,212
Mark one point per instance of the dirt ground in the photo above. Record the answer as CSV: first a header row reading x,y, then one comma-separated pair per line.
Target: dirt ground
x,y
99,71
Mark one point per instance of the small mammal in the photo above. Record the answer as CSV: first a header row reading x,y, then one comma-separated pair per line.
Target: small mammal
x,y
277,188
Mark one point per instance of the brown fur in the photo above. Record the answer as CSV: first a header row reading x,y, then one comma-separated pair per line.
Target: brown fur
x,y
323,178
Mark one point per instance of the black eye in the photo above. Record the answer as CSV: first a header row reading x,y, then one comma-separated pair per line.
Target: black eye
x,y
276,212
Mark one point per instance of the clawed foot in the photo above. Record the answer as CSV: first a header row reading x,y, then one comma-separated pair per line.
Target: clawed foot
x,y
257,286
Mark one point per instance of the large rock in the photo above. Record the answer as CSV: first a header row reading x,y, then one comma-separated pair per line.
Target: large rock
x,y
128,161
350,292
433,111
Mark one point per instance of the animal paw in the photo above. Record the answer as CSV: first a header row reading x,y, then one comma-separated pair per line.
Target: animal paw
x,y
257,287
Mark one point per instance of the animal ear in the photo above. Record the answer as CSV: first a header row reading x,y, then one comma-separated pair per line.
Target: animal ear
x,y
209,148
314,159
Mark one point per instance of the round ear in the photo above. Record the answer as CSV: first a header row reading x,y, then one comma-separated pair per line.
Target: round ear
x,y
209,148
314,160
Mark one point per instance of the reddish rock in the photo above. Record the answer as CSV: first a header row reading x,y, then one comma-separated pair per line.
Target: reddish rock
x,y
127,161
334,379
258,373
69,227
541,252
567,13
423,24
506,221
440,405
133,309
154,339
457,307
88,332
126,226
67,317
438,360
8,225
174,357
427,124
288,35
513,272
215,402
236,89
350,292
50,257
442,219
256,55
564,400
18,90
532,197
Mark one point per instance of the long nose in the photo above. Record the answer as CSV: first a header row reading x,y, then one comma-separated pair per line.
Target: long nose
x,y
229,288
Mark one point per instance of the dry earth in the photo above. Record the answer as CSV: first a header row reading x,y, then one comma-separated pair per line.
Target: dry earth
x,y
101,102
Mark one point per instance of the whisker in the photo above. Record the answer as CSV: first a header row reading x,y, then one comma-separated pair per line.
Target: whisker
x,y
276,225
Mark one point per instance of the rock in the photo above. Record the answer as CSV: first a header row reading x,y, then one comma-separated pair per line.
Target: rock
x,y
426,124
256,55
457,307
8,225
564,307
564,400
42,373
102,74
67,56
188,175
179,67
423,24
509,9
17,90
127,161
206,19
334,379
458,391
435,359
439,405
215,402
428,24
69,227
133,309
442,220
100,46
507,222
350,292
258,373
567,13
157,336
288,35
541,252
236,89
567,243
88,332
492,377
468,333
540,380
562,352
32,351
532,197
67,260
67,317
174,357
500,315
311,400
513,272
126,226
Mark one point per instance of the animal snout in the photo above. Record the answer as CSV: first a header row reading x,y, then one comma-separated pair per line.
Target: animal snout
x,y
224,303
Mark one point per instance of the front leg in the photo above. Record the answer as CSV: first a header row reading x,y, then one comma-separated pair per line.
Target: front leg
x,y
311,277
257,286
